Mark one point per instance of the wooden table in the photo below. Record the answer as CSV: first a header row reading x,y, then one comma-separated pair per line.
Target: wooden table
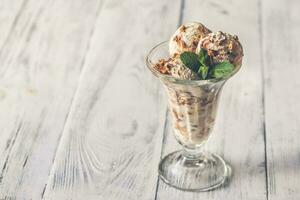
x,y
82,118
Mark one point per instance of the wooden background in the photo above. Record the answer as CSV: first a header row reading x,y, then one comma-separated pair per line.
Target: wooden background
x,y
82,118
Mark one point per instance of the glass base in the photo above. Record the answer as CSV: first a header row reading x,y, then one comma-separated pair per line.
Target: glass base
x,y
202,173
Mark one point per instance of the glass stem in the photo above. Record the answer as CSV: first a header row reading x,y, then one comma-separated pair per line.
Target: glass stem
x,y
192,154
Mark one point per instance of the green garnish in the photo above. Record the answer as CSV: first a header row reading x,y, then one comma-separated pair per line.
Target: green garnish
x,y
203,57
190,60
222,69
201,65
203,71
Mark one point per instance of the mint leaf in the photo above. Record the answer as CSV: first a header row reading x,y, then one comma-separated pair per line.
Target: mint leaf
x,y
204,68
203,57
222,69
203,71
190,60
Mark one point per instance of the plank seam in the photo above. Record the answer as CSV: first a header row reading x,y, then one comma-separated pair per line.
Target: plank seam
x,y
76,92
263,95
180,19
181,12
162,149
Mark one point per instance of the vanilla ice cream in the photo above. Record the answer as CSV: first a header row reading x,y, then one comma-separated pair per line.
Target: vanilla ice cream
x,y
174,67
187,37
222,47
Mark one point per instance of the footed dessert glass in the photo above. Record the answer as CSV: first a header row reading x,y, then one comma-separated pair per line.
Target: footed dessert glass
x,y
193,106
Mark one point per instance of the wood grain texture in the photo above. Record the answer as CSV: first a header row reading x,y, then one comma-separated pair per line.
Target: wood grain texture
x,y
40,62
82,118
238,135
112,140
9,15
281,71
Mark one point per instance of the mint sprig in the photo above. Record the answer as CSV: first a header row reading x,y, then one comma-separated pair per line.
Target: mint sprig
x,y
201,65
203,57
190,60
203,72
222,69
204,67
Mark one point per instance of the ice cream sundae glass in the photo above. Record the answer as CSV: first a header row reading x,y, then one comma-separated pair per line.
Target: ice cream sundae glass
x,y
193,67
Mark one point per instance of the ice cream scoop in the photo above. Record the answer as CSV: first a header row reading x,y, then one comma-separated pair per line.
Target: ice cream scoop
x,y
222,47
174,67
187,37
179,70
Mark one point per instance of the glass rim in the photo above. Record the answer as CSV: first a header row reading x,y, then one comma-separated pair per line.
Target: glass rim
x,y
172,79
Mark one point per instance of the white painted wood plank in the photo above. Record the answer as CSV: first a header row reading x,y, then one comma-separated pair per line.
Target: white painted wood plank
x,y
281,43
238,135
40,64
112,141
10,11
